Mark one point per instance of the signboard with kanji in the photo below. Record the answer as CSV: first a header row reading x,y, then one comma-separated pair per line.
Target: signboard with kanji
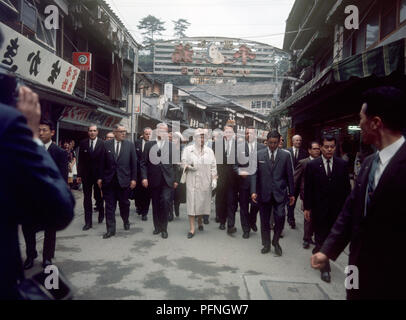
x,y
30,61
82,60
216,57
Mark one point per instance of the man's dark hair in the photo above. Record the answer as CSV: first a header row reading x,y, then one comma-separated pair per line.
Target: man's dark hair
x,y
93,125
48,123
327,137
312,143
387,103
273,134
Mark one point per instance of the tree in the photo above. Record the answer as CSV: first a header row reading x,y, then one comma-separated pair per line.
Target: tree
x,y
180,27
150,27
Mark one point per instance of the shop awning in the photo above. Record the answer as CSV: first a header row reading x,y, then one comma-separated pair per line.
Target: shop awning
x,y
379,62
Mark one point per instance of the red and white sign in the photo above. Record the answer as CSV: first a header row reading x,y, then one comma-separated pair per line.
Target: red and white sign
x,y
82,60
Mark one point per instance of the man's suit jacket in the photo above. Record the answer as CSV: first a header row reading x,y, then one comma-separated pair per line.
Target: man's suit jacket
x,y
273,179
377,239
299,176
61,159
32,191
138,150
323,196
88,165
225,163
165,169
302,154
125,167
249,166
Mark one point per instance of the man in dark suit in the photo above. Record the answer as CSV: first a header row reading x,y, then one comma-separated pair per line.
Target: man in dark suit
x,y
90,151
269,185
142,195
299,178
327,185
60,157
24,163
117,176
245,168
226,194
374,216
158,174
297,154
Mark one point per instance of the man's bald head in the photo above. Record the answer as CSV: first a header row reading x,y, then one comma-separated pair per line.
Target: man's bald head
x,y
297,141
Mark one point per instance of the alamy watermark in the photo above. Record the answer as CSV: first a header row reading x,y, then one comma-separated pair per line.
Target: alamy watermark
x,y
352,20
52,281
51,21
352,279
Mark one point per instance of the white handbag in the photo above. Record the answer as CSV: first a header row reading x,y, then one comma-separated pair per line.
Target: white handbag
x,y
183,177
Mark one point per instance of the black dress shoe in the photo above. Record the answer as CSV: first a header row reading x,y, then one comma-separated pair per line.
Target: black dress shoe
x,y
201,228
164,234
87,227
46,262
246,235
155,232
266,249
222,227
278,249
190,235
29,263
306,244
127,226
231,230
144,218
109,234
206,219
325,276
254,228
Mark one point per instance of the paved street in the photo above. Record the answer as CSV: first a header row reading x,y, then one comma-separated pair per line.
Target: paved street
x,y
213,265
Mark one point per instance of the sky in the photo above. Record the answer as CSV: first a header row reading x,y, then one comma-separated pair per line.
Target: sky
x,y
258,20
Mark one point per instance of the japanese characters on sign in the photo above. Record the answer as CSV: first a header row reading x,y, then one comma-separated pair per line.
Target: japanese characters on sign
x,y
87,115
29,60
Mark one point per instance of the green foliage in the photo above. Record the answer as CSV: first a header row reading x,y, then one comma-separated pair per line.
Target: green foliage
x,y
150,27
180,27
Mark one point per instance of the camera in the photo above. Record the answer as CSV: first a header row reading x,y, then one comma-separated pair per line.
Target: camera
x,y
9,85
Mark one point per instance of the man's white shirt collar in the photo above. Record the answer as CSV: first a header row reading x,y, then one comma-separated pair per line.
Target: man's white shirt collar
x,y
94,142
47,145
387,153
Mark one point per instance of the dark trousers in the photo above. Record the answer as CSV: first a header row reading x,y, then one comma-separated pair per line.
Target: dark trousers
x,y
254,209
279,217
142,199
30,242
291,211
113,193
308,230
161,201
87,200
229,197
244,201
320,235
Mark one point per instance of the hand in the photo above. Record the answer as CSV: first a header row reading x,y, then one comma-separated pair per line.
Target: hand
x,y
133,184
175,185
145,183
307,215
318,260
254,197
99,183
214,184
291,201
29,106
79,180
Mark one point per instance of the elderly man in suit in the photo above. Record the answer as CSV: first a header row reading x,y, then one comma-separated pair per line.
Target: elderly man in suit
x,y
245,168
142,195
374,217
117,176
327,185
60,157
271,186
314,153
90,151
297,154
158,174
23,158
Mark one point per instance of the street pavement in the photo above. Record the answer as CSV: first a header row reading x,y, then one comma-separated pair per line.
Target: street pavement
x,y
213,265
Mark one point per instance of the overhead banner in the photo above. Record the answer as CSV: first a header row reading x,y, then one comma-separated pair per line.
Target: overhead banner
x,y
86,116
30,61
216,57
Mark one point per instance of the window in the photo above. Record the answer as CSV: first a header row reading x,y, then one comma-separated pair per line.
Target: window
x,y
402,11
45,35
372,28
388,19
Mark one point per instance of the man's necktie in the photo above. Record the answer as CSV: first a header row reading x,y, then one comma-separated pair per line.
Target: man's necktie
x,y
273,158
91,145
371,179
328,168
295,155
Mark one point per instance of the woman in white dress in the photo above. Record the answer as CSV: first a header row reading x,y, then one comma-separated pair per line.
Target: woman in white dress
x,y
199,165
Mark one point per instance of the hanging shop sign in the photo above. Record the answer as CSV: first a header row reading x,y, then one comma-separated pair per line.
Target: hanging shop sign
x,y
86,116
216,57
82,60
31,61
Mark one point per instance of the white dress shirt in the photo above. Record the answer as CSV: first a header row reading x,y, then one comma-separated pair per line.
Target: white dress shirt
x,y
274,154
143,145
385,155
294,153
251,147
160,143
115,146
47,145
325,163
94,143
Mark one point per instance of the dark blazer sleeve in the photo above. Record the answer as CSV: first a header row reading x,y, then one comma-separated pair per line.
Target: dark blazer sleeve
x,y
48,201
80,161
308,187
297,176
144,162
102,162
133,163
289,173
63,164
